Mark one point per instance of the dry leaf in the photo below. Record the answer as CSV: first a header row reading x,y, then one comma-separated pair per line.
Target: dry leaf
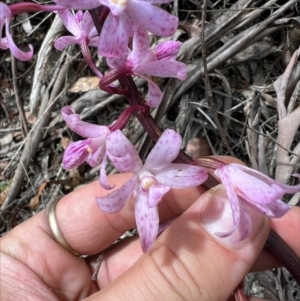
x,y
31,118
85,84
34,202
3,193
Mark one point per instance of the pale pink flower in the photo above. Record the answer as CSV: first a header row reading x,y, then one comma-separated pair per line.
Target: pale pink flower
x,y
123,17
246,187
150,181
91,150
159,61
81,26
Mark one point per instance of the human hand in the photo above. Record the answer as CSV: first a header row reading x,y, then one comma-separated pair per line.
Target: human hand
x,y
187,262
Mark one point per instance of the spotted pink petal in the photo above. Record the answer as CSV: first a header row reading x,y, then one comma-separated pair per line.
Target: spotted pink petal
x,y
252,188
122,153
152,18
181,175
167,68
5,15
164,151
147,220
103,178
63,42
155,95
116,200
17,53
140,46
167,50
274,209
78,4
155,194
82,128
70,22
94,41
87,23
233,200
76,154
245,225
116,62
115,36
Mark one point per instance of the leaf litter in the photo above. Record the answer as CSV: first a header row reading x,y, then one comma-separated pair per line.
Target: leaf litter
x,y
252,52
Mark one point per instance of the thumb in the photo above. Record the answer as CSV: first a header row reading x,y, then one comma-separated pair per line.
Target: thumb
x,y
188,261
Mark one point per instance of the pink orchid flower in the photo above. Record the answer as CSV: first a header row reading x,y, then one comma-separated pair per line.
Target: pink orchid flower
x,y
123,16
159,61
81,26
91,150
246,187
150,181
7,42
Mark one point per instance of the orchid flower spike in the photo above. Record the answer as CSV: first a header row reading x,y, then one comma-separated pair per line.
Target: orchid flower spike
x,y
159,61
246,187
123,16
150,181
91,150
7,42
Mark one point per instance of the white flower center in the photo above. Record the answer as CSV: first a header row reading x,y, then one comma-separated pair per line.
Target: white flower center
x,y
147,182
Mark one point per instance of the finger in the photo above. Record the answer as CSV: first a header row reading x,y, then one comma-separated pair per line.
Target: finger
x,y
189,262
288,228
121,256
86,229
89,230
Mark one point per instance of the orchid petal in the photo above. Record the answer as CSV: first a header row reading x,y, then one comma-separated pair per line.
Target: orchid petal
x,y
154,93
87,23
94,41
245,225
164,151
19,54
164,68
288,188
155,194
274,209
117,199
252,188
5,14
147,220
82,128
103,178
116,62
167,50
140,46
75,154
95,158
63,42
233,200
181,175
124,157
152,18
70,22
114,36
78,4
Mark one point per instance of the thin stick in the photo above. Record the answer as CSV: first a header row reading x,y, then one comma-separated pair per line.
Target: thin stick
x,y
22,117
207,82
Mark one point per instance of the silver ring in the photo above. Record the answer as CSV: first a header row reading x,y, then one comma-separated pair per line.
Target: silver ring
x,y
55,229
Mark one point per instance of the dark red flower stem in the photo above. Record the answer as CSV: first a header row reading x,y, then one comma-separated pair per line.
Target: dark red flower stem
x,y
124,117
28,7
